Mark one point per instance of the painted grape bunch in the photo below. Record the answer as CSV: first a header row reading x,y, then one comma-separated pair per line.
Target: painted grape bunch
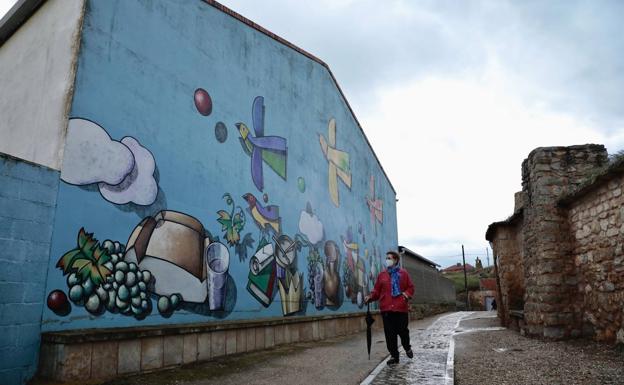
x,y
99,279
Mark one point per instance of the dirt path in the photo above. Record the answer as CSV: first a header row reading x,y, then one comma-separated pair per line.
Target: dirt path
x,y
506,357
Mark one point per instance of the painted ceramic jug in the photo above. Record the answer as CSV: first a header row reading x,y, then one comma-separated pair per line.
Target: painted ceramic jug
x,y
331,277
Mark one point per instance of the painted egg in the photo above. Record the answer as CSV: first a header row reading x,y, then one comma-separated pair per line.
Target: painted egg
x,y
265,198
301,184
221,132
58,303
203,102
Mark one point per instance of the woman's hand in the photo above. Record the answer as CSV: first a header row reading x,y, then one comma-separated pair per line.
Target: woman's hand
x,y
405,296
367,299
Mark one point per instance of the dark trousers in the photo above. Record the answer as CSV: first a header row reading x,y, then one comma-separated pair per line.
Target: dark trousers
x,y
395,324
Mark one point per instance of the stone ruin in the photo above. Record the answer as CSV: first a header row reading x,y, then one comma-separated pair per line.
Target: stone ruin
x,y
559,258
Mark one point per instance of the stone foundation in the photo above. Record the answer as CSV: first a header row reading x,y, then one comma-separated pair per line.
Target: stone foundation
x,y
82,355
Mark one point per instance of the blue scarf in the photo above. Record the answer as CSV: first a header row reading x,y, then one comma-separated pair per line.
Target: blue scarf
x,y
395,276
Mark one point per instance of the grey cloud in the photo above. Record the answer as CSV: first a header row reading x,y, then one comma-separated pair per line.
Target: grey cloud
x,y
566,55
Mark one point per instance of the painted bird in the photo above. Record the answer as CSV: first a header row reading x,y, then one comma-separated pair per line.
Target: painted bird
x,y
265,217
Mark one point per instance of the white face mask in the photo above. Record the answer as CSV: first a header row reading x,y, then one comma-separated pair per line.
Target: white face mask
x,y
389,262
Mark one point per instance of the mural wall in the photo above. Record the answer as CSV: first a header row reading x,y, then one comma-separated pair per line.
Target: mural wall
x,y
210,173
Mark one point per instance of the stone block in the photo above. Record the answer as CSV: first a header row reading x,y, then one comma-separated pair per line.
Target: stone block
x,y
190,348
269,337
34,292
76,362
32,231
12,292
25,210
204,346
316,331
19,314
305,331
330,328
104,359
12,376
26,171
173,350
294,333
38,193
279,334
260,340
217,346
230,342
49,359
341,326
241,341
250,335
554,332
18,356
129,356
151,353
9,187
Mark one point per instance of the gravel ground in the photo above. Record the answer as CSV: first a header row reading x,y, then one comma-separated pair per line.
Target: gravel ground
x,y
506,357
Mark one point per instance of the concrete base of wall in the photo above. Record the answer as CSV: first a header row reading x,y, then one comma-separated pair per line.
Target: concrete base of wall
x,y
82,355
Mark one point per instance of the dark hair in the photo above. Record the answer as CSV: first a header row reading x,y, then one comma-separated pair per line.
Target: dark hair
x,y
394,254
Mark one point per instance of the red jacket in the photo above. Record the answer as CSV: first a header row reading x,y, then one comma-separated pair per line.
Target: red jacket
x,y
383,292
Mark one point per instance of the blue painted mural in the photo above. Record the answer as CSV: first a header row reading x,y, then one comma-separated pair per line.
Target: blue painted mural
x,y
210,173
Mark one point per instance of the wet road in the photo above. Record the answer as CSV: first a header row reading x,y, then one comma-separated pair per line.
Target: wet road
x,y
432,364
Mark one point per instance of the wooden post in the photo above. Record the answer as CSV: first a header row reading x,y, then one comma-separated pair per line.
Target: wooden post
x,y
465,279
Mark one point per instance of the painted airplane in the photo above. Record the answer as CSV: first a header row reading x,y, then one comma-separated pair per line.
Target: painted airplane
x,y
375,205
271,150
338,162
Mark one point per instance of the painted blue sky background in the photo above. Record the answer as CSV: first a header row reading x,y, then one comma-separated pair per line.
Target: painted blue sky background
x,y
454,95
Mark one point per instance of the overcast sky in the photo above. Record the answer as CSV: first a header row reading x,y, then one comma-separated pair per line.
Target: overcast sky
x,y
453,95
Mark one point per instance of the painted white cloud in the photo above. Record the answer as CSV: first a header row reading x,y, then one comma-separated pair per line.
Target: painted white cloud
x,y
124,171
139,186
91,156
311,227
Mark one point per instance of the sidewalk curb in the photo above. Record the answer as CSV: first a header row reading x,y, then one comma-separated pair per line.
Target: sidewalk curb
x,y
449,377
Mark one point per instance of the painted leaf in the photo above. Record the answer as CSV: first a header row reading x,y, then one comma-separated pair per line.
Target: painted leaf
x,y
67,260
238,222
82,268
85,240
224,219
232,236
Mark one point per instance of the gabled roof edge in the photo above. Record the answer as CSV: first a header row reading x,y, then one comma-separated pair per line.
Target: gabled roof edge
x,y
285,42
19,13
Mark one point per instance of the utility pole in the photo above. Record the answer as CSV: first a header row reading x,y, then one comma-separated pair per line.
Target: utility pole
x,y
487,252
465,278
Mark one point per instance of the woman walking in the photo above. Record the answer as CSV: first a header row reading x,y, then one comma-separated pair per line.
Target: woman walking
x,y
393,288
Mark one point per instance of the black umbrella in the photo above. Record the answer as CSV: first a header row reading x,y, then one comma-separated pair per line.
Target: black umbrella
x,y
369,322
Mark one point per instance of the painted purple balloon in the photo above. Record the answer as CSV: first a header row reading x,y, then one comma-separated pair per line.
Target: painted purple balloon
x,y
203,102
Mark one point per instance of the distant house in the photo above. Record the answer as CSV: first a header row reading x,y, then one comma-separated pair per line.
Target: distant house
x,y
457,268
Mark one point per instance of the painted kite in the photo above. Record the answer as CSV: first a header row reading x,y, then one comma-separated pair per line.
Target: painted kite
x,y
338,162
271,150
375,205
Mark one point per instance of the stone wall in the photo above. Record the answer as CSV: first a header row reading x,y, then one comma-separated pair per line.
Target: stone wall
x,y
27,199
509,267
544,237
597,225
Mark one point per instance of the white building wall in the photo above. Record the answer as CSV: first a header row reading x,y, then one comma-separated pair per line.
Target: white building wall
x,y
37,66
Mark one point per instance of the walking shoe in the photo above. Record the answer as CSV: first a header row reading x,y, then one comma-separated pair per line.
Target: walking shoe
x,y
392,361
410,353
